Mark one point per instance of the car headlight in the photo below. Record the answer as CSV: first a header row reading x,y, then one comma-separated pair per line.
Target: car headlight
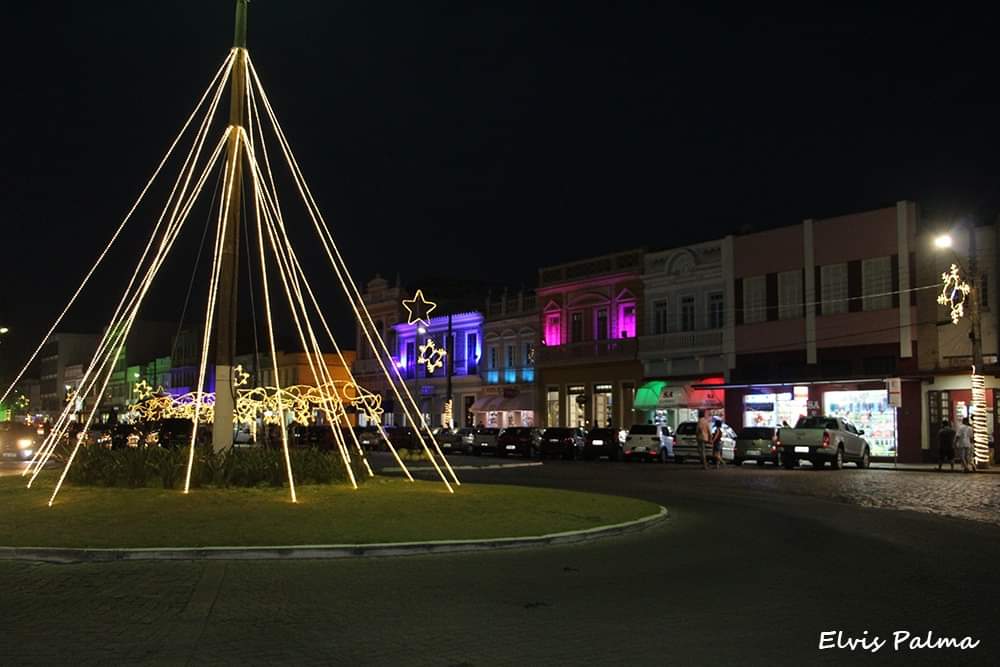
x,y
25,443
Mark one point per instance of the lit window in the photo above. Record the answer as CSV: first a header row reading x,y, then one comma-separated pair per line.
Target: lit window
x,y
553,329
754,299
626,320
789,295
876,278
833,288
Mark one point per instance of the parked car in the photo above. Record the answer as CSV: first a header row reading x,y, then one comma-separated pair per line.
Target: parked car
x,y
566,442
448,440
370,438
466,439
170,433
821,439
403,437
520,440
485,441
648,442
686,441
756,443
602,442
18,442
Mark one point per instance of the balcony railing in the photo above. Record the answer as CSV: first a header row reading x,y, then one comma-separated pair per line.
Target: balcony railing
x,y
681,341
580,353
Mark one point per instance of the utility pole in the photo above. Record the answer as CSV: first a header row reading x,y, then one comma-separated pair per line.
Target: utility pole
x,y
225,329
975,333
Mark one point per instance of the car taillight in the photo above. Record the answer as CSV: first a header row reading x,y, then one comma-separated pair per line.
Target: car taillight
x,y
826,439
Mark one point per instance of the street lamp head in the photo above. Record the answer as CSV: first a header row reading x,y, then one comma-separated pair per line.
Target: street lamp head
x,y
421,330
4,330
943,241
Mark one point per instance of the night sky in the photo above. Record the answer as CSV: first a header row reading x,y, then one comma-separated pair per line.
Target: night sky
x,y
507,135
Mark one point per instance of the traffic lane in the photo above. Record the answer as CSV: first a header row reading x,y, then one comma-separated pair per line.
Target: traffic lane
x,y
747,578
956,495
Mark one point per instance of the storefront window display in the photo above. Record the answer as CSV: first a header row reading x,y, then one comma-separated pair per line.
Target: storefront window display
x,y
576,410
775,409
869,410
552,403
603,404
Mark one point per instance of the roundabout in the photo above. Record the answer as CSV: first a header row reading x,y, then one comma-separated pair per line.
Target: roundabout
x,y
387,517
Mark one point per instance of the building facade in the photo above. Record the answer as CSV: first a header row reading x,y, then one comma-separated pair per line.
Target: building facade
x,y
681,342
824,316
587,362
510,339
60,352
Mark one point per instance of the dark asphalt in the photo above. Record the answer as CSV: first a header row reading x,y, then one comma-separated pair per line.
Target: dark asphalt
x,y
746,571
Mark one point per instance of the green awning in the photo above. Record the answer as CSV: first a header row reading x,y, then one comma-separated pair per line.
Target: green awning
x,y
648,395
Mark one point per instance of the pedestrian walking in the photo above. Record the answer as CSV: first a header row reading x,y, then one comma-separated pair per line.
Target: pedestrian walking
x,y
717,443
963,445
704,436
946,445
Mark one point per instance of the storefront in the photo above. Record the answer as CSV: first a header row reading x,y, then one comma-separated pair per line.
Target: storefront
x,y
949,397
670,403
505,408
864,403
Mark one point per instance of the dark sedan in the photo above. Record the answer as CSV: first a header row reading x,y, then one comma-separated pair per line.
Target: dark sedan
x,y
566,442
756,443
602,442
520,440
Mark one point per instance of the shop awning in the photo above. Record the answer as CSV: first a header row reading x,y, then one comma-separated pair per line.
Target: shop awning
x,y
647,397
486,404
522,402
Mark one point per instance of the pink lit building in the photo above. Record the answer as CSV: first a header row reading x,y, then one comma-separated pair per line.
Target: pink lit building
x,y
587,360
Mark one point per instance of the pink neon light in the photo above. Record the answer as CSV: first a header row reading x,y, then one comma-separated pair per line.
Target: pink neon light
x,y
553,330
626,321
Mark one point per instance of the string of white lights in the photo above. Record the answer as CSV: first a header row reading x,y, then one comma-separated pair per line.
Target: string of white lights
x,y
267,310
117,331
227,63
352,292
124,331
252,106
189,165
263,213
213,293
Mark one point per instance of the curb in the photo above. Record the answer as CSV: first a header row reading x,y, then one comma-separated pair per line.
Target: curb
x,y
327,552
492,466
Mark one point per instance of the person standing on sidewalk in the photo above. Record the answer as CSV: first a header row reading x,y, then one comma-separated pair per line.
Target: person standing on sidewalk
x,y
704,436
963,443
717,443
946,445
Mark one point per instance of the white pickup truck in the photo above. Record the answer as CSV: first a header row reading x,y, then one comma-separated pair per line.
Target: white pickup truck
x,y
821,439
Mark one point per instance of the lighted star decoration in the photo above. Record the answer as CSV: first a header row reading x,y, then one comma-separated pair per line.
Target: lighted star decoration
x,y
240,377
142,390
431,355
953,293
419,309
22,402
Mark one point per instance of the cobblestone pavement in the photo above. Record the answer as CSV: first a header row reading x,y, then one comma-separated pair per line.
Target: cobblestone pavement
x,y
751,567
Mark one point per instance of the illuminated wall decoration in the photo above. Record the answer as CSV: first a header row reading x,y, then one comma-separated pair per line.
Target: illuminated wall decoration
x,y
419,309
431,356
980,432
953,293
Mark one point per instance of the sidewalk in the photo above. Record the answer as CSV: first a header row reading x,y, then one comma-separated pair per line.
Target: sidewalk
x,y
929,467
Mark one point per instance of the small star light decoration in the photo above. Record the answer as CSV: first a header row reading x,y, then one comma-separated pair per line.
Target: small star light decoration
x,y
431,355
419,309
240,377
142,390
953,293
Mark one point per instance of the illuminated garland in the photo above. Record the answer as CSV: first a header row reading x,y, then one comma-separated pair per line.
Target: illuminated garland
x,y
953,293
980,434
266,403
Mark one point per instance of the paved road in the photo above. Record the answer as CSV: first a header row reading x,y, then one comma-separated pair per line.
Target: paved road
x,y
752,566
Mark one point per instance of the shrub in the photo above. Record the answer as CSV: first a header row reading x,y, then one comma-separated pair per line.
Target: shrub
x,y
254,466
